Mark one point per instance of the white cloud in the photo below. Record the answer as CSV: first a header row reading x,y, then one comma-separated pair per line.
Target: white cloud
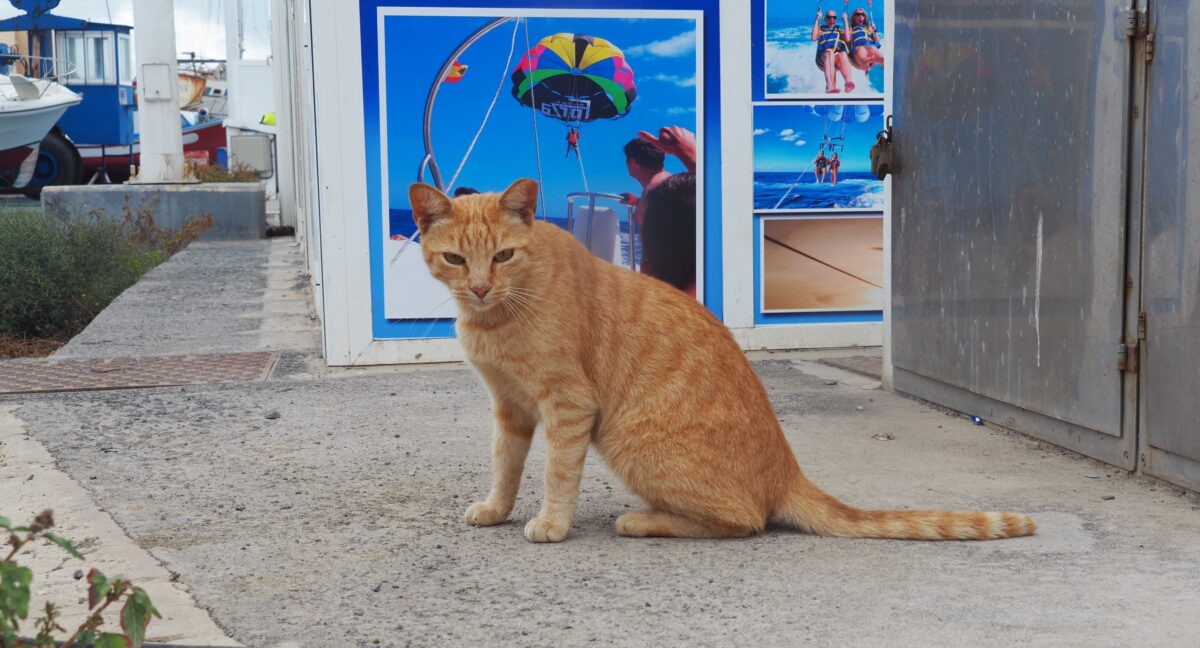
x,y
760,131
676,80
676,110
790,138
679,45
786,131
800,142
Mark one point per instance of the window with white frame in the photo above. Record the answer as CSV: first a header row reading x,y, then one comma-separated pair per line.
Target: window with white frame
x,y
125,59
89,57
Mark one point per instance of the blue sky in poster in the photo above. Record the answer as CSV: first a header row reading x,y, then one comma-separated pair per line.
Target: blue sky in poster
x,y
787,138
660,51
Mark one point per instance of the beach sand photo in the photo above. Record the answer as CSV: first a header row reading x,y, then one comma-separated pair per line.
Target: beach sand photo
x,y
816,157
802,43
822,263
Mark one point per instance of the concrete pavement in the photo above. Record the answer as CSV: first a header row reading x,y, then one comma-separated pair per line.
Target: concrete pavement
x,y
324,505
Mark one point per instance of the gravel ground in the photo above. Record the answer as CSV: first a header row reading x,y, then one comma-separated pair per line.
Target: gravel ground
x,y
337,523
324,505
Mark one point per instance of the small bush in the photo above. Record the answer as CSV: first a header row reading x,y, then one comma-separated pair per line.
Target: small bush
x,y
219,173
55,276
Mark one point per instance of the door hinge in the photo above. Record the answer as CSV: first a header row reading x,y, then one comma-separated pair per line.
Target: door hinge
x,y
1127,357
1137,27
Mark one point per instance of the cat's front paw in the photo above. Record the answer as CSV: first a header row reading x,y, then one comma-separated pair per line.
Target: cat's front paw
x,y
484,514
541,529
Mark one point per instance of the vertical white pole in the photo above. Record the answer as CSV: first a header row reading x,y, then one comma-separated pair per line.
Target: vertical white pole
x,y
233,59
158,92
281,65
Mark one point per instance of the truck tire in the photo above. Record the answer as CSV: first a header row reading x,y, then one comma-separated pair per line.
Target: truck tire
x,y
58,164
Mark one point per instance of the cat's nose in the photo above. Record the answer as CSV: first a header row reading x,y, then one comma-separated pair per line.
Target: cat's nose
x,y
481,291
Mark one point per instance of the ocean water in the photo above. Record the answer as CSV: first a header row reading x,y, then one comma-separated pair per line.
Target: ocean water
x,y
854,190
401,225
791,68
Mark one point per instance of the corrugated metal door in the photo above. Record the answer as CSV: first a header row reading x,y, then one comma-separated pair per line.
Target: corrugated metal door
x,y
1170,371
1010,225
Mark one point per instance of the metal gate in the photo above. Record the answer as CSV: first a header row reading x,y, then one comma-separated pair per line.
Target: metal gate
x,y
1009,227
1169,431
1042,263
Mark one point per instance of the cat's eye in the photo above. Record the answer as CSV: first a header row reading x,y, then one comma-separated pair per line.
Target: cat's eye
x,y
503,255
454,258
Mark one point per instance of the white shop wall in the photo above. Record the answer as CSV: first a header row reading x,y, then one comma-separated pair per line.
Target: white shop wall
x,y
343,240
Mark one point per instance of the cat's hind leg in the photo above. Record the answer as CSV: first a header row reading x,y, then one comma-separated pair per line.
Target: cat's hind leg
x,y
661,524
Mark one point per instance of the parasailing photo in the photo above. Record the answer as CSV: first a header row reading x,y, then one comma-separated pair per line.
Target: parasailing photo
x,y
601,109
824,48
816,157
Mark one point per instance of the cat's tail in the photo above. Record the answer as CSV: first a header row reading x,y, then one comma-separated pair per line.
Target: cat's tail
x,y
815,511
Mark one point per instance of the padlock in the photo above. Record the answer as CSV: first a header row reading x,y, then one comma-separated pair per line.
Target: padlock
x,y
881,152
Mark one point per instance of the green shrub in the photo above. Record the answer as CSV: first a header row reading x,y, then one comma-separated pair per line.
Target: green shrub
x,y
55,276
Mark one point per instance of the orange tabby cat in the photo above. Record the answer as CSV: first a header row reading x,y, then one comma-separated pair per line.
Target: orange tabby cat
x,y
601,355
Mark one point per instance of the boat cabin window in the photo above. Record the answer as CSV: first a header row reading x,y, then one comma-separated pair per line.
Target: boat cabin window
x,y
90,57
125,59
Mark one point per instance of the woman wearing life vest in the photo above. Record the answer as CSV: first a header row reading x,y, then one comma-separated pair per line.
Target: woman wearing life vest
x,y
832,52
863,40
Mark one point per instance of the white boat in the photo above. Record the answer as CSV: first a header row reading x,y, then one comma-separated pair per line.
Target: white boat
x,y
29,108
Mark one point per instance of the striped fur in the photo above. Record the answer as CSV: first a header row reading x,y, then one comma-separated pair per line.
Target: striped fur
x,y
601,356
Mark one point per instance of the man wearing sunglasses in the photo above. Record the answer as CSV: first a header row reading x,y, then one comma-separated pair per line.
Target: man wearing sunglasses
x,y
832,51
863,40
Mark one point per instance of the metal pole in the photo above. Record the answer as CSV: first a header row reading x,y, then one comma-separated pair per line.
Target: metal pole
x,y
432,97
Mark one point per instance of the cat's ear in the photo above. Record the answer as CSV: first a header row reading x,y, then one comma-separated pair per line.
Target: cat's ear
x,y
521,199
428,205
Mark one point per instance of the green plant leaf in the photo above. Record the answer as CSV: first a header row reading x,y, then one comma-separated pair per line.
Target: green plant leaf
x,y
64,543
14,592
98,587
135,616
5,523
111,640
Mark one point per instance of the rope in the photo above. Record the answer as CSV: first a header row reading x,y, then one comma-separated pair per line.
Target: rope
x,y
537,146
512,46
789,191
809,256
582,171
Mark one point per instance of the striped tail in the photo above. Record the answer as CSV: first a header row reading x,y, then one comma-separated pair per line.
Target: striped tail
x,y
812,510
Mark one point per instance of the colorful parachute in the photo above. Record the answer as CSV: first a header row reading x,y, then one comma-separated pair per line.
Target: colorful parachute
x,y
575,78
457,70
842,113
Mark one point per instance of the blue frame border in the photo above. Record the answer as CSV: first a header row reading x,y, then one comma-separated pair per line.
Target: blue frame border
x,y
829,317
385,329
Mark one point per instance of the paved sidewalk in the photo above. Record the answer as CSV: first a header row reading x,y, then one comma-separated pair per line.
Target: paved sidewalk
x,y
324,506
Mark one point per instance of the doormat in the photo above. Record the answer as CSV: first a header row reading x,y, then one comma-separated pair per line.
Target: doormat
x,y
49,375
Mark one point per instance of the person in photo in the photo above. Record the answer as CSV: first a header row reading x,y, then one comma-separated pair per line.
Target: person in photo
x,y
644,158
821,163
573,142
863,41
834,163
832,51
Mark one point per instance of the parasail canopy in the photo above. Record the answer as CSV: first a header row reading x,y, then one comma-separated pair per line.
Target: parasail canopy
x,y
575,78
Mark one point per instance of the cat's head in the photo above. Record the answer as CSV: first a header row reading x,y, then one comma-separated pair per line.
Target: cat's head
x,y
477,244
